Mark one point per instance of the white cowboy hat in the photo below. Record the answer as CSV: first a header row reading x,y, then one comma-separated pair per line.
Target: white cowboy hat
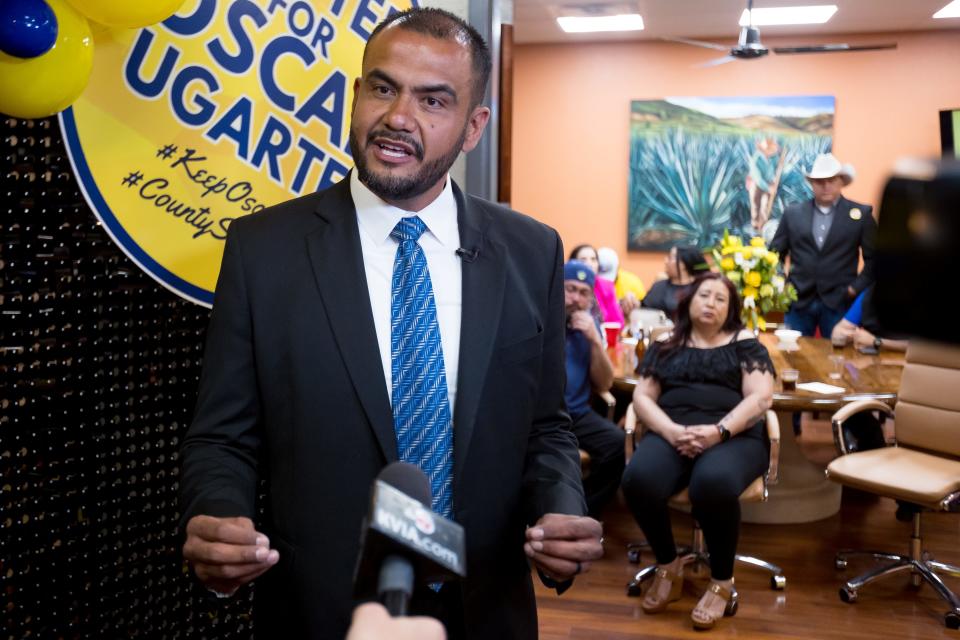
x,y
848,174
826,166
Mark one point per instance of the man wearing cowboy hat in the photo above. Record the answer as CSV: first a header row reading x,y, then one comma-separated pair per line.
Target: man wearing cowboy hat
x,y
824,238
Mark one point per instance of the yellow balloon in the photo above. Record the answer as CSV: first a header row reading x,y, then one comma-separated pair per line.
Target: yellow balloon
x,y
127,13
42,86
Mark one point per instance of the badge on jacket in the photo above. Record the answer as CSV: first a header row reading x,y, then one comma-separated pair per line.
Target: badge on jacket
x,y
855,214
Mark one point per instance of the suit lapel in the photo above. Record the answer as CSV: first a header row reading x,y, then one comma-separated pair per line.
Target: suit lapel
x,y
338,267
841,214
806,222
483,290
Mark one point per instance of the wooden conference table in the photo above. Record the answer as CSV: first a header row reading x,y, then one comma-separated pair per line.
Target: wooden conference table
x,y
803,493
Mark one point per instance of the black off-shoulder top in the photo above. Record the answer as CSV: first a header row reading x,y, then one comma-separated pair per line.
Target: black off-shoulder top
x,y
700,386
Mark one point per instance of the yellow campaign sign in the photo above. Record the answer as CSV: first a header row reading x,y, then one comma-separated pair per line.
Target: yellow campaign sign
x,y
220,111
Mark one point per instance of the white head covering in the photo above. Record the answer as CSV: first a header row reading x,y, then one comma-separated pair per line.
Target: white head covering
x,y
826,165
848,174
609,262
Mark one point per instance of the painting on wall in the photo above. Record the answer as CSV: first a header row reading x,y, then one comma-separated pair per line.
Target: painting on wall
x,y
702,165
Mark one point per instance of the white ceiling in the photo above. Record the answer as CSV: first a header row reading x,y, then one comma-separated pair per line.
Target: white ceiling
x,y
535,20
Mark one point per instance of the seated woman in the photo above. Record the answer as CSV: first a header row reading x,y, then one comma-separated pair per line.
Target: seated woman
x,y
603,289
682,264
702,395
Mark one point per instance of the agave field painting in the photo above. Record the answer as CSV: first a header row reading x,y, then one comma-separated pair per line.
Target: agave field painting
x,y
702,165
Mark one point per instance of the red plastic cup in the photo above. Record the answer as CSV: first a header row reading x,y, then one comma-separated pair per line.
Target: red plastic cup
x,y
612,330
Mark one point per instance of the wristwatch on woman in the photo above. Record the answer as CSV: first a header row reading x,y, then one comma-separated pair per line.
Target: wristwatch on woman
x,y
724,432
877,343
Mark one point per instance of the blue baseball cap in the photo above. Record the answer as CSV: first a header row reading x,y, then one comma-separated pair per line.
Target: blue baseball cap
x,y
579,271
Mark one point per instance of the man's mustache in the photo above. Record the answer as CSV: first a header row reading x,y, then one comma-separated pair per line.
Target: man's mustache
x,y
397,137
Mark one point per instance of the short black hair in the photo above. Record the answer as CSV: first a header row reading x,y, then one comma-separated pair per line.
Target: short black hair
x,y
692,258
444,25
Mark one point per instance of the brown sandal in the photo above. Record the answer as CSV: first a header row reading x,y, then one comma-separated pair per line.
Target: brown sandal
x,y
703,621
651,604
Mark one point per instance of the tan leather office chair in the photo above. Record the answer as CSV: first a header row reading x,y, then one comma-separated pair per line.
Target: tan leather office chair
x,y
923,466
696,553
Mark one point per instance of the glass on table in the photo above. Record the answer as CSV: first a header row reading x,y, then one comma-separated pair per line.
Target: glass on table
x,y
788,378
839,342
837,361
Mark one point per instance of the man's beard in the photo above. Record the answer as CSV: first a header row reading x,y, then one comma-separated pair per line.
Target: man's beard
x,y
398,188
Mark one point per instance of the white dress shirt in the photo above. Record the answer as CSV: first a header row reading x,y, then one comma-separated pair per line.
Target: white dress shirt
x,y
376,219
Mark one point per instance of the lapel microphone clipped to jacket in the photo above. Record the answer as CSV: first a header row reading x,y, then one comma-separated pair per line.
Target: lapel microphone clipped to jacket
x,y
467,255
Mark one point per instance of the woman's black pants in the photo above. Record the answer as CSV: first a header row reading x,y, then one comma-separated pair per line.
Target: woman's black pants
x,y
716,478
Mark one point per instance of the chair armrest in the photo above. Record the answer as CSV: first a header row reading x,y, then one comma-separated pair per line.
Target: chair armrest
x,y
773,433
633,427
630,426
951,503
630,420
610,401
846,412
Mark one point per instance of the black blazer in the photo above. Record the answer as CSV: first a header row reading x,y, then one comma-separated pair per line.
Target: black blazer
x,y
826,273
293,391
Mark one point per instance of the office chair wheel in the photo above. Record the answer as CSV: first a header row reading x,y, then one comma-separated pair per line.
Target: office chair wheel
x,y
633,556
731,610
840,563
633,589
778,582
952,620
848,595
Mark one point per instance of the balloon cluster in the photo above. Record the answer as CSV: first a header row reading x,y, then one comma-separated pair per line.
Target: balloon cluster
x,y
46,48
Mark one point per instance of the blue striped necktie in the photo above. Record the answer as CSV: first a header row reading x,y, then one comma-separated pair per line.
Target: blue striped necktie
x,y
421,407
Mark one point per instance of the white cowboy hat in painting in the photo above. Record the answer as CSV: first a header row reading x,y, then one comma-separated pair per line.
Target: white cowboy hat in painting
x,y
826,166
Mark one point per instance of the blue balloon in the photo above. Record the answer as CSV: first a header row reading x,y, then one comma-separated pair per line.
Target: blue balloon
x,y
28,28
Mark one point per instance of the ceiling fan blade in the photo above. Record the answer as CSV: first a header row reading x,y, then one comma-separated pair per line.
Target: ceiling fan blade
x,y
716,62
699,43
834,48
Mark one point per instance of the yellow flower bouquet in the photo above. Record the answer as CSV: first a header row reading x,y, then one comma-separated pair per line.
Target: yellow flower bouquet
x,y
753,269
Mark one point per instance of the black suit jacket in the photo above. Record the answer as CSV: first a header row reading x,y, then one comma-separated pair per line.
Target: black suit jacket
x,y
826,273
293,391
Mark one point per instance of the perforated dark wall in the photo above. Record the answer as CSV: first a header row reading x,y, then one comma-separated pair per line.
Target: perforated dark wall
x,y
98,376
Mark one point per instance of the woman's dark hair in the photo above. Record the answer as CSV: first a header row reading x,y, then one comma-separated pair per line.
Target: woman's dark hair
x,y
683,326
691,258
578,248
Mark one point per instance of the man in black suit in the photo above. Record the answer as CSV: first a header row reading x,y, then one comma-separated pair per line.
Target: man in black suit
x,y
824,238
300,374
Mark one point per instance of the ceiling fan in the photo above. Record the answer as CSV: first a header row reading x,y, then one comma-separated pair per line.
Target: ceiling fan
x,y
749,46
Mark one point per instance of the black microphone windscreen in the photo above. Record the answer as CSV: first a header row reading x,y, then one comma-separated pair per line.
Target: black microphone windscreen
x,y
407,478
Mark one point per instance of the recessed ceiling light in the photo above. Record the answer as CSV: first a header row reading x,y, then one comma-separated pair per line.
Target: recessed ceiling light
x,y
952,10
789,15
587,24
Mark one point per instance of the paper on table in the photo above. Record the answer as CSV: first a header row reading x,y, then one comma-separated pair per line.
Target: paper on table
x,y
820,387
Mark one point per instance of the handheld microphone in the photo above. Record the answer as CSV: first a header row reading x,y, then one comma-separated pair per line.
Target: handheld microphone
x,y
403,542
467,255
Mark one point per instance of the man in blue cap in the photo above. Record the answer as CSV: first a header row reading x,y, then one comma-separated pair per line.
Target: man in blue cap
x,y
589,368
